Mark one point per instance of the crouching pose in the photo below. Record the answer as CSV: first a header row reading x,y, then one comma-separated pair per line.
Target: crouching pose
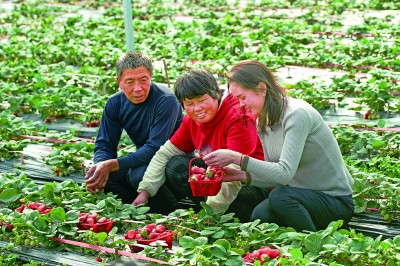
x,y
213,121
302,157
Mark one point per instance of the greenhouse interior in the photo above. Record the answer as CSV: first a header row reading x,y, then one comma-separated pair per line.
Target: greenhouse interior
x,y
59,67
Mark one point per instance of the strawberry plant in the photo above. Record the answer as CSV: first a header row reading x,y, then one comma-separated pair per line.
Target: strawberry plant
x,y
69,157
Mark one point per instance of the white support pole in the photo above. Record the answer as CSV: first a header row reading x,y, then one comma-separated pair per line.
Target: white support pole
x,y
128,25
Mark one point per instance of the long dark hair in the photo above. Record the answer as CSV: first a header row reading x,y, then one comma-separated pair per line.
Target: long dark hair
x,y
248,74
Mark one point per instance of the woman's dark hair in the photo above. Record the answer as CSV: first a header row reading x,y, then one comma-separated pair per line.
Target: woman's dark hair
x,y
248,74
195,83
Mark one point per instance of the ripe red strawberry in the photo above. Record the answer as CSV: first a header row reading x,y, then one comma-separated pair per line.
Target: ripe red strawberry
x,y
151,226
256,254
196,177
56,116
198,170
21,208
148,230
366,115
46,211
83,217
218,174
47,120
131,234
248,257
102,220
90,221
153,235
33,205
41,208
273,253
98,259
160,228
93,216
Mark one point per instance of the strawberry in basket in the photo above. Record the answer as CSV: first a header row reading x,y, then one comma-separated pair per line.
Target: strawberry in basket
x,y
204,181
202,174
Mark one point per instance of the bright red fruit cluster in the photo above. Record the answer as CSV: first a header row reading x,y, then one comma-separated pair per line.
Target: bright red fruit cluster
x,y
92,124
262,254
91,220
202,174
41,207
150,231
149,234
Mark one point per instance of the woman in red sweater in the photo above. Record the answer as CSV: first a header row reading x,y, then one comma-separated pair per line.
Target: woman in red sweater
x,y
213,121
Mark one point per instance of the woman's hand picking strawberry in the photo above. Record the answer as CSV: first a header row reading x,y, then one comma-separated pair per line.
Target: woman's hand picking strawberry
x,y
222,157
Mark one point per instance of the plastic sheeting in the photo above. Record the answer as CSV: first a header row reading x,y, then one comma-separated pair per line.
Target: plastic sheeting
x,y
371,224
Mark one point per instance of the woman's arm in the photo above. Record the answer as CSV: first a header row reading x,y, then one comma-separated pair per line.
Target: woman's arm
x,y
154,176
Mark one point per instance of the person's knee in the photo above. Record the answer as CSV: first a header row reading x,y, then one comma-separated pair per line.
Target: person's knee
x,y
136,175
177,169
262,211
279,198
257,213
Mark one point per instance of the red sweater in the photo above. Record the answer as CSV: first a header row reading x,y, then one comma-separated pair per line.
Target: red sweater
x,y
229,129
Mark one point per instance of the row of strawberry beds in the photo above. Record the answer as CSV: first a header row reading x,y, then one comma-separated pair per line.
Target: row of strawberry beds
x,y
205,237
377,93
372,154
56,49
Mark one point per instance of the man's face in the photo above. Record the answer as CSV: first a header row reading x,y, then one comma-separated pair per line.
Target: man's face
x,y
135,83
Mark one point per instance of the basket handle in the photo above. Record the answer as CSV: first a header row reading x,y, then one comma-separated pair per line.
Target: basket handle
x,y
190,165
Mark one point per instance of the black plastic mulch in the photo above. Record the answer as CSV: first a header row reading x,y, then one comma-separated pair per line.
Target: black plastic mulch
x,y
52,257
371,223
36,170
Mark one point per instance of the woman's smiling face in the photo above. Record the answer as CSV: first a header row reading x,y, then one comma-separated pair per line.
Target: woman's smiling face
x,y
202,109
253,100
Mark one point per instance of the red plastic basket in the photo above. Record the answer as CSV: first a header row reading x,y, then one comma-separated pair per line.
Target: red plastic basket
x,y
167,236
201,188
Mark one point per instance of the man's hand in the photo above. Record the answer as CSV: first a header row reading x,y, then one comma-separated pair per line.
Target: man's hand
x,y
142,198
97,176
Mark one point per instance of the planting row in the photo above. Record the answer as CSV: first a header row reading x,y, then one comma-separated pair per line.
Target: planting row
x,y
65,216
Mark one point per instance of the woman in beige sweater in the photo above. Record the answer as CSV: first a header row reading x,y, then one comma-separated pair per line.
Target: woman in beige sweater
x,y
302,158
